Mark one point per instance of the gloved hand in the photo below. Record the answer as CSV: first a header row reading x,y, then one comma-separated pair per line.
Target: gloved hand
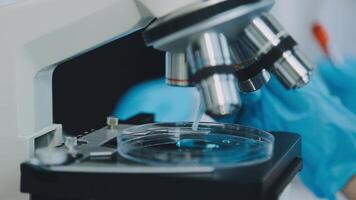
x,y
169,104
327,127
341,81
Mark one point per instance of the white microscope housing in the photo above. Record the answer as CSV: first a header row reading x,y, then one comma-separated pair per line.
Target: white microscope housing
x,y
38,35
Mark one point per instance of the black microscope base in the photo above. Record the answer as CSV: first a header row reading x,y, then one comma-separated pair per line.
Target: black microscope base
x,y
263,181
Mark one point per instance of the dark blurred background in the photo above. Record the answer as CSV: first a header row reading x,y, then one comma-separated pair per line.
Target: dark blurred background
x,y
87,88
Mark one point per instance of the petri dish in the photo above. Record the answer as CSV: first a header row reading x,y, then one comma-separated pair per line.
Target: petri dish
x,y
212,144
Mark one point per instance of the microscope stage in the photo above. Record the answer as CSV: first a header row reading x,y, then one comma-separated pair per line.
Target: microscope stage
x,y
101,173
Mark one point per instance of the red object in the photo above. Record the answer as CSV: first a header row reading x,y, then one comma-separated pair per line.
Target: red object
x,y
322,37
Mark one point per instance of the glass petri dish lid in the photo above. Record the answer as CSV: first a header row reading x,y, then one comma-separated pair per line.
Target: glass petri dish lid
x,y
212,144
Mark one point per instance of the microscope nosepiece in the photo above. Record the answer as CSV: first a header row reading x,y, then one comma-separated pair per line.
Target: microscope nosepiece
x,y
227,47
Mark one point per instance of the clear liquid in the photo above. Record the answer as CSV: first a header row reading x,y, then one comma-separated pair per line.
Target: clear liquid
x,y
215,142
209,146
196,144
198,115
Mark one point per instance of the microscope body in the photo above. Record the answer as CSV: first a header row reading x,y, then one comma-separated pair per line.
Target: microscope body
x,y
38,35
35,37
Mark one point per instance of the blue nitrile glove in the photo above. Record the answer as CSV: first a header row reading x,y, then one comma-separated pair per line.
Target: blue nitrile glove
x,y
327,127
168,103
341,81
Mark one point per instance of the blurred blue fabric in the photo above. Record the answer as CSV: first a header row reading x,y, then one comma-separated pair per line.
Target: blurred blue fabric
x,y
327,127
321,113
167,103
341,80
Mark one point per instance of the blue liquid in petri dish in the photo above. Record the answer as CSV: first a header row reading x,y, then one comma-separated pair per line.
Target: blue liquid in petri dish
x,y
216,143
225,147
196,144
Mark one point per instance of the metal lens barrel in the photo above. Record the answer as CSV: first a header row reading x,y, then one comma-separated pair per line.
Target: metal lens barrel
x,y
276,49
213,73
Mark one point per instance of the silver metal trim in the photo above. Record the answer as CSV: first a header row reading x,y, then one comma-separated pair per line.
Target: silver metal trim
x,y
177,70
188,9
233,20
255,83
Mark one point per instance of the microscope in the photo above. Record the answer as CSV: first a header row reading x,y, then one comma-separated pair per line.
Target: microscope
x,y
222,47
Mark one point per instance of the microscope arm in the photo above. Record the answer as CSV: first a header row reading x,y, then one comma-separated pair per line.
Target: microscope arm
x,y
36,36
